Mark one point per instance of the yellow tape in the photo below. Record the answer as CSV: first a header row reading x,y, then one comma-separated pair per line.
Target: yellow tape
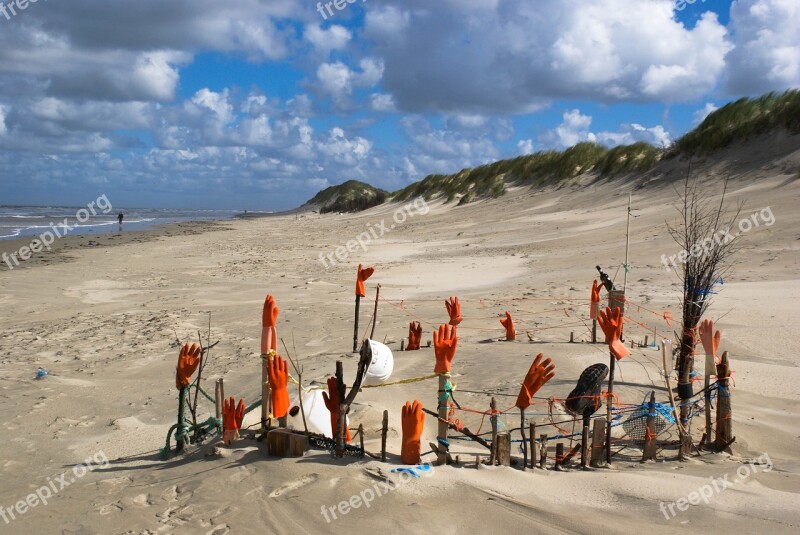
x,y
402,382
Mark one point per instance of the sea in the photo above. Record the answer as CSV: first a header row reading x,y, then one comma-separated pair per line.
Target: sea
x,y
29,221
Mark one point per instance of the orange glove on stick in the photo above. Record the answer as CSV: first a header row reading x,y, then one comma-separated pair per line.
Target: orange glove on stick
x,y
710,345
454,310
508,323
413,422
231,419
331,398
611,323
444,347
188,360
595,299
269,317
362,276
414,335
278,373
539,373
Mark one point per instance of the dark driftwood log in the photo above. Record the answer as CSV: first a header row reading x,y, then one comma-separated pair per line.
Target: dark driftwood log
x,y
598,455
346,401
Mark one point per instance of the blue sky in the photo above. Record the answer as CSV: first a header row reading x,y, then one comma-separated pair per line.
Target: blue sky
x,y
259,104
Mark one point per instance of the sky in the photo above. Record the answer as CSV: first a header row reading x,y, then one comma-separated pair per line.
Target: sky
x,y
259,104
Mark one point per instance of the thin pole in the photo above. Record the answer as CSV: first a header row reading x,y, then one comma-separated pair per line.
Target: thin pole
x,y
627,245
610,406
375,313
355,330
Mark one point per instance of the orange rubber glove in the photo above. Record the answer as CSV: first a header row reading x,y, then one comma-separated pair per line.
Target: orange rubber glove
x,y
508,323
278,373
454,310
414,335
444,347
611,323
595,299
361,277
188,361
710,345
539,373
269,317
231,419
331,398
413,422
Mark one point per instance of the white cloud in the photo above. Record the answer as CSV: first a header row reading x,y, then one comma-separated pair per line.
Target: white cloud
x,y
334,38
700,115
525,146
767,40
576,128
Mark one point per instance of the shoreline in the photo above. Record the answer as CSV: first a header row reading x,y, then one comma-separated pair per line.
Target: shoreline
x,y
61,249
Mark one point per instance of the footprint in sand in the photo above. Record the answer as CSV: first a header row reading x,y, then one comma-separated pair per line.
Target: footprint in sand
x,y
111,508
223,529
294,485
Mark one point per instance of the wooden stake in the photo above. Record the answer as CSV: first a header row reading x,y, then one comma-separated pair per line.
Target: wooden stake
x,y
594,331
598,454
665,348
646,339
361,437
533,444
571,337
384,432
403,344
543,452
650,438
710,369
610,405
504,449
724,436
180,432
355,330
585,442
493,420
218,397
375,313
266,393
441,400
524,442
559,457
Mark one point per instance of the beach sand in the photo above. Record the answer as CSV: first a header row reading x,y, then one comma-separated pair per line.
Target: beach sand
x,y
104,324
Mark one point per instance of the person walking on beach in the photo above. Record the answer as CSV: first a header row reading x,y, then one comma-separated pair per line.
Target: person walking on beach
x,y
120,216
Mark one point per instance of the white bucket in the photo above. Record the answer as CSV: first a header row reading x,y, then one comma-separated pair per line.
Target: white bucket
x,y
381,366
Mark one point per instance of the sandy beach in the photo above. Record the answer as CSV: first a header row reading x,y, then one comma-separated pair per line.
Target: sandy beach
x,y
104,325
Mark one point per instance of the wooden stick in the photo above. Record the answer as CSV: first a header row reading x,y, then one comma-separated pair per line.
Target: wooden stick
x,y
585,442
572,337
598,455
218,397
493,420
384,432
710,369
266,395
361,436
524,442
650,438
355,330
724,435
559,457
441,401
543,452
179,432
375,313
594,331
610,405
533,443
464,430
665,347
